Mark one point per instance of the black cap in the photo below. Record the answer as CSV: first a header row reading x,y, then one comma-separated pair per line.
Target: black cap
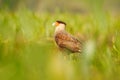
x,y
61,22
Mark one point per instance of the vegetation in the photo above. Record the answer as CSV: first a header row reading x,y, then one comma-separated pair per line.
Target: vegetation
x,y
28,50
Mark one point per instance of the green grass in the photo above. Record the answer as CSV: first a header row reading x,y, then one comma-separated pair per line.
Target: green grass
x,y
28,50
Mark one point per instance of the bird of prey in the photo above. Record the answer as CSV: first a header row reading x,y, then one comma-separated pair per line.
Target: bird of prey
x,y
65,40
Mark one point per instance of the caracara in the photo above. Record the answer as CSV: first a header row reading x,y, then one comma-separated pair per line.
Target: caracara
x,y
65,40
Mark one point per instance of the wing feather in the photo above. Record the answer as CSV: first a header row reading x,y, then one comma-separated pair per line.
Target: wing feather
x,y
65,40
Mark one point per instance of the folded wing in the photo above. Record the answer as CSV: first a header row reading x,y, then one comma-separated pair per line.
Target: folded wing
x,y
67,41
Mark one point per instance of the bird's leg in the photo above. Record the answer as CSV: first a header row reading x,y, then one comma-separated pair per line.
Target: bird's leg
x,y
63,53
75,56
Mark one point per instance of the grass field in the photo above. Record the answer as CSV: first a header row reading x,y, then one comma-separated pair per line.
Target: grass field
x,y
28,50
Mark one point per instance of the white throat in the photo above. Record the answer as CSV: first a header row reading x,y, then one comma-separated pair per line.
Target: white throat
x,y
61,27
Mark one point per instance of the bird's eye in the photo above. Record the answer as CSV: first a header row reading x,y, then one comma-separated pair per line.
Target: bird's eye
x,y
56,23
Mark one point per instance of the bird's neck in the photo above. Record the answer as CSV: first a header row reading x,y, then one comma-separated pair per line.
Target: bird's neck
x,y
60,28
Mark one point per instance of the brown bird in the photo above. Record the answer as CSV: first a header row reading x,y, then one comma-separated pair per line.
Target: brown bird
x,y
65,40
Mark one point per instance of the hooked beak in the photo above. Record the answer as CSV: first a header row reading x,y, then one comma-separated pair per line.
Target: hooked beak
x,y
53,24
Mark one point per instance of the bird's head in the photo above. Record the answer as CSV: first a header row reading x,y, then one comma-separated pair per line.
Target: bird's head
x,y
59,23
59,26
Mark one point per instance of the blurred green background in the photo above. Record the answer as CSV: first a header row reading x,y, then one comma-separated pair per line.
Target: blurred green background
x,y
28,50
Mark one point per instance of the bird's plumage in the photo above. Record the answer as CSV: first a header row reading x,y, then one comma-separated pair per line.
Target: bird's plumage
x,y
65,40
